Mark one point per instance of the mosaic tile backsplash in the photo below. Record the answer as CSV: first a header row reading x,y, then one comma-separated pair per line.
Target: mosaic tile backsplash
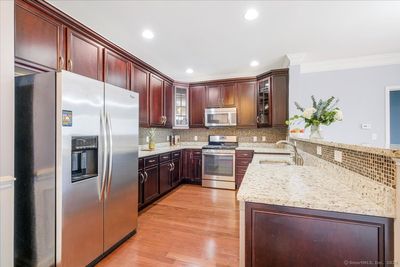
x,y
377,167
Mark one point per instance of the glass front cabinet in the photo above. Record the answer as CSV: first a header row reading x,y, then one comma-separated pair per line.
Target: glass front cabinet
x,y
181,107
263,102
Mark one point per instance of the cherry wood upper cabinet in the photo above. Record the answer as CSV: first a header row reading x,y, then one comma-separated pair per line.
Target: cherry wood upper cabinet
x,y
228,95
140,84
84,56
38,39
246,104
221,95
213,95
168,104
280,98
156,101
197,102
116,69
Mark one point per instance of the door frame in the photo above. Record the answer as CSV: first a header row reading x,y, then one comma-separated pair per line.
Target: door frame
x,y
388,90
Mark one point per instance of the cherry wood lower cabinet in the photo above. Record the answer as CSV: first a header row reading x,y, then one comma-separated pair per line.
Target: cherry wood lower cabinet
x,y
151,184
192,166
286,237
242,160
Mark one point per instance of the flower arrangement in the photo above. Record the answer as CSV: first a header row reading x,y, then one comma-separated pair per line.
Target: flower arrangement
x,y
321,113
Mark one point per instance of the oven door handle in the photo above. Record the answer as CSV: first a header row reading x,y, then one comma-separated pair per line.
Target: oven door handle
x,y
219,154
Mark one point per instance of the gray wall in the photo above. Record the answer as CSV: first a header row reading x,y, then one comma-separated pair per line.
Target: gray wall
x,y
362,99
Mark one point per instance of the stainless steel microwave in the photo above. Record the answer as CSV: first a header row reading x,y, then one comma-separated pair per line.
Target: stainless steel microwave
x,y
217,117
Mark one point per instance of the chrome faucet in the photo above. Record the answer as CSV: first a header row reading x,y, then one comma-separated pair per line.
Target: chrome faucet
x,y
297,158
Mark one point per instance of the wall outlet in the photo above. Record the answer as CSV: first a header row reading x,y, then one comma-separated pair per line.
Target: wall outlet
x,y
374,136
366,126
147,139
319,150
264,138
167,138
195,138
338,155
254,138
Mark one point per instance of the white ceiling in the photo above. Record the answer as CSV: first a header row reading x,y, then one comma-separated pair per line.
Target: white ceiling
x,y
214,39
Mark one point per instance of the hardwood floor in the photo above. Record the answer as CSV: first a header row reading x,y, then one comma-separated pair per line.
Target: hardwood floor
x,y
191,226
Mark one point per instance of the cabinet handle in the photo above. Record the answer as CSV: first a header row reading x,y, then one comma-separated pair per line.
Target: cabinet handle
x,y
165,120
173,166
147,176
152,160
61,62
142,177
258,119
69,64
170,167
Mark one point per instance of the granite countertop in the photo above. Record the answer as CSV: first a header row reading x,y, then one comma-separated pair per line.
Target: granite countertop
x,y
305,187
262,148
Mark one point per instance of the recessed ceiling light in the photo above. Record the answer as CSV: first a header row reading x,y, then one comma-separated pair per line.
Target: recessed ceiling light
x,y
147,34
189,71
251,14
254,63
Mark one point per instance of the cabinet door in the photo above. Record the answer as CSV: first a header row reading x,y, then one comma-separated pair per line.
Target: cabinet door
x,y
197,168
279,99
247,104
116,70
264,103
150,186
38,39
156,101
165,176
168,104
140,84
228,95
213,96
176,173
84,56
196,106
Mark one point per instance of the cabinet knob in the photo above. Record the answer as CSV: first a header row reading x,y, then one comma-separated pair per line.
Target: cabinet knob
x,y
60,63
69,64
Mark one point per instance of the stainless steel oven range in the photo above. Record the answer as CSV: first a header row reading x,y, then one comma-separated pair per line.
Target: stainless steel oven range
x,y
219,162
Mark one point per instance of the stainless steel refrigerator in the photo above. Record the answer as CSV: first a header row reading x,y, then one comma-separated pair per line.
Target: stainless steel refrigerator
x,y
76,156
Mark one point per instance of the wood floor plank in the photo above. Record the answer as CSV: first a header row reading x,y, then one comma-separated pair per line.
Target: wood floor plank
x,y
191,226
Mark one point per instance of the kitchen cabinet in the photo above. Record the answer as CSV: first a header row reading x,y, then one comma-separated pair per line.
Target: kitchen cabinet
x,y
242,160
193,165
168,92
246,104
197,96
140,84
176,172
150,184
309,237
84,56
165,176
39,39
116,69
156,101
181,107
272,99
221,95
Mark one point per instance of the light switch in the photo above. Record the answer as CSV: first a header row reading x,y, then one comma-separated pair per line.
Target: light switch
x,y
167,138
147,139
338,155
366,126
196,138
264,138
319,150
254,138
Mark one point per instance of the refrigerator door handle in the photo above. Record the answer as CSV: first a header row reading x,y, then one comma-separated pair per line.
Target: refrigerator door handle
x,y
104,156
110,153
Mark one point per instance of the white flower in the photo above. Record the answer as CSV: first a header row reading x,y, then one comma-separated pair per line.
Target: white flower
x,y
308,112
338,115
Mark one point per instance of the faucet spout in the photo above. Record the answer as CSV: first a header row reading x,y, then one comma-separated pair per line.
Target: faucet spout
x,y
297,158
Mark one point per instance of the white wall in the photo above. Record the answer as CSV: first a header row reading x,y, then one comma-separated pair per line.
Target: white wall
x,y
6,132
362,99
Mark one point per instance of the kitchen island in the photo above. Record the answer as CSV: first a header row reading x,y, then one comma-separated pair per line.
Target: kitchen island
x,y
313,216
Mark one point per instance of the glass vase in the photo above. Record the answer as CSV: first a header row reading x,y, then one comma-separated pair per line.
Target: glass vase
x,y
315,132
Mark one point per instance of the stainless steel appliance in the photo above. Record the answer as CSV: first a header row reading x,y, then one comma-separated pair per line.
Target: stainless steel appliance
x,y
219,162
217,117
76,155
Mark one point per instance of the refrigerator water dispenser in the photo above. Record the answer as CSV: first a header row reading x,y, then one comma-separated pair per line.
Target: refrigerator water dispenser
x,y
84,160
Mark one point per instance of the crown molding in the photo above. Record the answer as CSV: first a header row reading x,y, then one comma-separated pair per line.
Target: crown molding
x,y
350,63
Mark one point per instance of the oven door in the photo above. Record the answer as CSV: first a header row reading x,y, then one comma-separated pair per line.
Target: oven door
x,y
219,166
220,117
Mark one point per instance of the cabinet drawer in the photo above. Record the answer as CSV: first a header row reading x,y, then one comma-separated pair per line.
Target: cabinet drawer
x,y
243,161
244,153
141,163
150,161
176,155
165,157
